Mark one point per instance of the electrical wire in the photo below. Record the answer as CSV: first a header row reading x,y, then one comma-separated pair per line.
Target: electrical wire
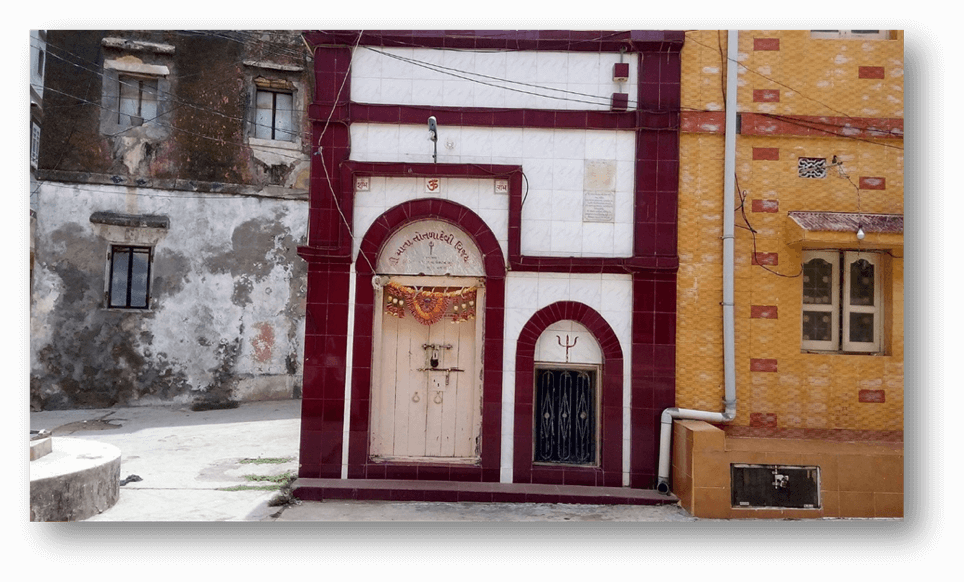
x,y
318,152
753,233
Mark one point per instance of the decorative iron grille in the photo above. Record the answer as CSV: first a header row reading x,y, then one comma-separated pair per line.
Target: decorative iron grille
x,y
565,417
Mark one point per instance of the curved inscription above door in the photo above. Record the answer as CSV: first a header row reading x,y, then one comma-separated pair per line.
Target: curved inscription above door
x,y
430,247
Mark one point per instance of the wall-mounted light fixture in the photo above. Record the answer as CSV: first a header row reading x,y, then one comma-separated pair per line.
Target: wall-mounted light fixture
x,y
433,135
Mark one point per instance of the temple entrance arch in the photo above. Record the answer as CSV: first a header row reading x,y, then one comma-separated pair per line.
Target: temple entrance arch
x,y
426,393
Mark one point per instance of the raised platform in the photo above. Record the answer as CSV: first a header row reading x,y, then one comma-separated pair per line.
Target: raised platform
x,y
401,490
77,479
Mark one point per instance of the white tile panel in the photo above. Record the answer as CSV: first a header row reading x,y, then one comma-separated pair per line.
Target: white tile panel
x,y
399,90
597,239
427,90
530,79
536,236
566,238
569,145
554,165
366,89
552,66
567,174
600,145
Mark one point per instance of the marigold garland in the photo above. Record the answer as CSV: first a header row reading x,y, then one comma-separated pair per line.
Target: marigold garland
x,y
430,307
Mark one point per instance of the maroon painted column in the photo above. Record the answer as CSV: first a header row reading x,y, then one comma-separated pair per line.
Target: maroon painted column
x,y
654,290
329,263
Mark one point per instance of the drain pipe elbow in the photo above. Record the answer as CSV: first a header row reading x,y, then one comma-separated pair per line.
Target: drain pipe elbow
x,y
665,440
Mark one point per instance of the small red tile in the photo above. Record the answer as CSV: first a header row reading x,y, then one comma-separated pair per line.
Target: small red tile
x,y
763,365
763,420
770,259
765,206
766,154
870,72
876,396
763,311
766,95
766,44
872,183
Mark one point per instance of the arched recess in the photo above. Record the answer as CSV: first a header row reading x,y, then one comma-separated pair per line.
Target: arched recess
x,y
359,463
608,471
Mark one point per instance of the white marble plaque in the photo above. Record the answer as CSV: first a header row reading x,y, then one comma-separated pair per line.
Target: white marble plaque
x,y
598,206
363,184
430,247
501,186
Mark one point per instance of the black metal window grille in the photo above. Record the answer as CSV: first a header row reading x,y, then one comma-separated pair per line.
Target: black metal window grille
x,y
565,417
775,486
130,275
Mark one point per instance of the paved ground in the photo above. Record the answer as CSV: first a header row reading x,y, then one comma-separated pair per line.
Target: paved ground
x,y
193,467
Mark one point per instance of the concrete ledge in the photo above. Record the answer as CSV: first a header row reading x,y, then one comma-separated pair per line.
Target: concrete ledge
x,y
310,489
40,447
76,480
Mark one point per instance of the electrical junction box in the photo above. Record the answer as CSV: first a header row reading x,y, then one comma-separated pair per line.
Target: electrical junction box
x,y
621,72
775,486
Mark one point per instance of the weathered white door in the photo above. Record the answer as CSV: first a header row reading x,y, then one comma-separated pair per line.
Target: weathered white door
x,y
426,393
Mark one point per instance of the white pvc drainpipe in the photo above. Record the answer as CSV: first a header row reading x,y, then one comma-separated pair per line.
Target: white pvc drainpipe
x,y
729,368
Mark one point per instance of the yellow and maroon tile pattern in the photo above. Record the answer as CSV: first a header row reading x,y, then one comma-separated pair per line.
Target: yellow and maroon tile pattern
x,y
780,388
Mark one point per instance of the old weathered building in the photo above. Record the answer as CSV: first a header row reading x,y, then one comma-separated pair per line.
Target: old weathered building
x,y
172,194
38,61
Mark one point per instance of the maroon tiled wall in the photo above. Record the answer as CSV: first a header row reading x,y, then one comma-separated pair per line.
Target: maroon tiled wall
x,y
655,119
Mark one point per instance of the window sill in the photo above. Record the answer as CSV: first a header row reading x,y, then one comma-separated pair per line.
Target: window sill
x,y
841,353
256,142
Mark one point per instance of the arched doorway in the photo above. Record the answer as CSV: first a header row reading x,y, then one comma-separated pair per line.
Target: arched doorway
x,y
426,380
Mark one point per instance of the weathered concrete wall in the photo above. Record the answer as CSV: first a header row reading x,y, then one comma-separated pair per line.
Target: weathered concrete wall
x,y
227,301
226,314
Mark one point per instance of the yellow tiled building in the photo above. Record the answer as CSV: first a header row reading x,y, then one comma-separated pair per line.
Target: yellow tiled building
x,y
818,274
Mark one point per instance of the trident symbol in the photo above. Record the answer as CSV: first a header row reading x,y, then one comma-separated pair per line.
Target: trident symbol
x,y
567,345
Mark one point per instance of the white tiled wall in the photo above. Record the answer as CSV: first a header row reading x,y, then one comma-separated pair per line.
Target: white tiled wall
x,y
477,195
525,293
553,161
460,78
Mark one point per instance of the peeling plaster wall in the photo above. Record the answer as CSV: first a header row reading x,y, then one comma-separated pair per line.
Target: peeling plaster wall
x,y
227,301
226,317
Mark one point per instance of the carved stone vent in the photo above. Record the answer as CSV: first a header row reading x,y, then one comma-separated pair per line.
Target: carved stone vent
x,y
812,167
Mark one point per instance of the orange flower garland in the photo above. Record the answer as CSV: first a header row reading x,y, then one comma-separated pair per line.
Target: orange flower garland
x,y
430,307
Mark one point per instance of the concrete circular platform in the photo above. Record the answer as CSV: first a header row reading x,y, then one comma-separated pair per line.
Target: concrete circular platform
x,y
76,480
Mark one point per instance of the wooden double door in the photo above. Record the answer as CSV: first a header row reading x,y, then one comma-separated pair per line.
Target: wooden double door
x,y
427,390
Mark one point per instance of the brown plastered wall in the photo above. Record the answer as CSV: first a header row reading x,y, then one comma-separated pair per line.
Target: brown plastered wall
x,y
857,479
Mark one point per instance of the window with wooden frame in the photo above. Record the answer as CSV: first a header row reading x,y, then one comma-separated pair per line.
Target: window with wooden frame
x,y
129,277
137,102
842,302
274,110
